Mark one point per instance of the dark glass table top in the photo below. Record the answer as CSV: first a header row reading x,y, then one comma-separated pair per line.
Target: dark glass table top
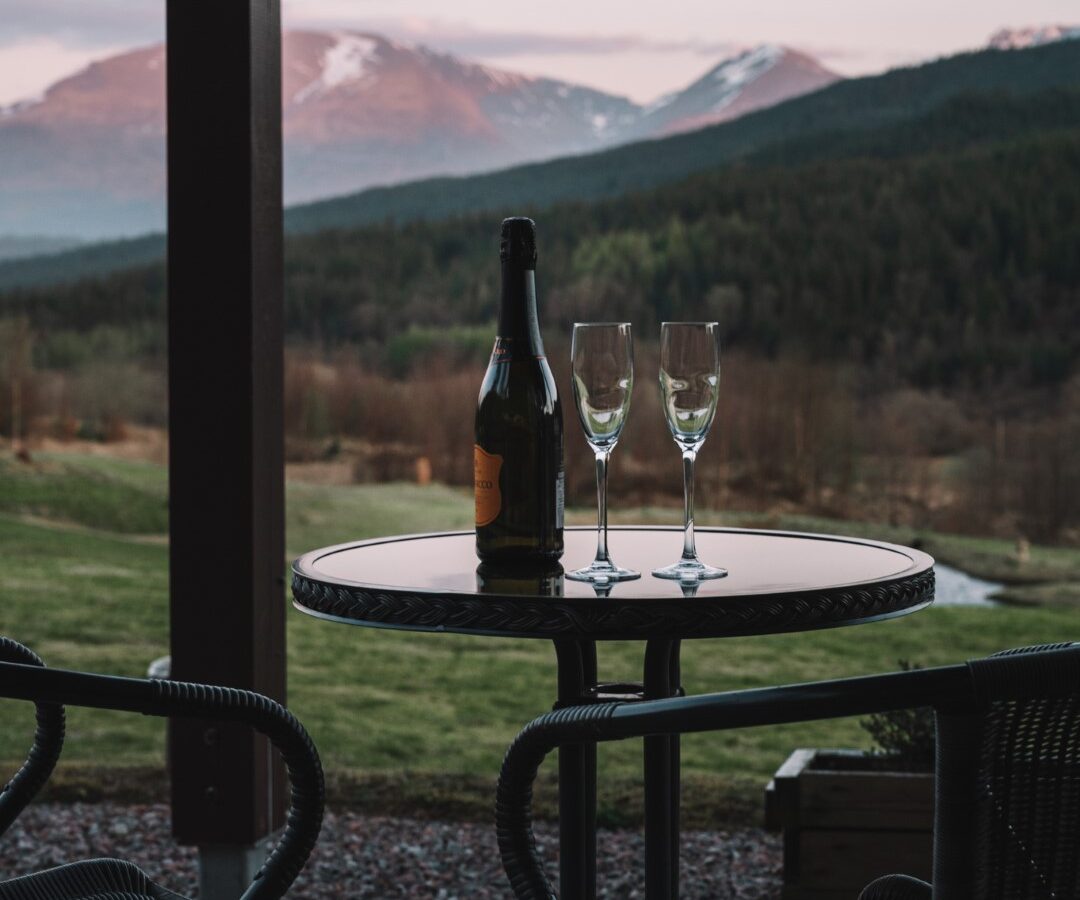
x,y
777,581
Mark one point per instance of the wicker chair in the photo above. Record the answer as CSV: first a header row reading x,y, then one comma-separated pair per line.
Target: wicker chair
x,y
23,677
1007,821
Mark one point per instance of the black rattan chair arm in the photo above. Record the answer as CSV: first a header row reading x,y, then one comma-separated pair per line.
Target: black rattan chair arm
x,y
807,702
1046,670
708,712
897,887
175,698
45,751
513,797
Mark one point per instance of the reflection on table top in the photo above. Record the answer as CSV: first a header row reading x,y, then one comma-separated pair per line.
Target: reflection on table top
x,y
758,562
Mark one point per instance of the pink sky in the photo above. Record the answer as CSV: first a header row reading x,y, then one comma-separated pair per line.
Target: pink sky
x,y
641,49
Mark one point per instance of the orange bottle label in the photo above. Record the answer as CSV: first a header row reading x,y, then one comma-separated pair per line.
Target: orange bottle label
x,y
486,467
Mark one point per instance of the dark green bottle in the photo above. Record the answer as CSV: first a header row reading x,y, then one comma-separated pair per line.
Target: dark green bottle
x,y
518,456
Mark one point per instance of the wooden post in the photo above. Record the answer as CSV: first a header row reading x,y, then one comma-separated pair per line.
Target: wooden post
x,y
226,454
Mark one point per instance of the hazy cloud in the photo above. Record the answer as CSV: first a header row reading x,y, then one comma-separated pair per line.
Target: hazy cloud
x,y
90,23
855,59
466,40
82,23
504,43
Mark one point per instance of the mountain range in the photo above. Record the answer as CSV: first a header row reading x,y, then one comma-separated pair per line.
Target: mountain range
x,y
942,105
88,156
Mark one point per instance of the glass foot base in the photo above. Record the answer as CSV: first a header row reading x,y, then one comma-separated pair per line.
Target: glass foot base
x,y
603,573
689,570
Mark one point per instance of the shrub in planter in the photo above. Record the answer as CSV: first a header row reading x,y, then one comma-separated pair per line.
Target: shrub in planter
x,y
849,816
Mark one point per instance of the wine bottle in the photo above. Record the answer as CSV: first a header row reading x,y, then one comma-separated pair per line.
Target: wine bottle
x,y
518,455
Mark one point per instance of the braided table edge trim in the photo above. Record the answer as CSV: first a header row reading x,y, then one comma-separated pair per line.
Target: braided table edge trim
x,y
543,618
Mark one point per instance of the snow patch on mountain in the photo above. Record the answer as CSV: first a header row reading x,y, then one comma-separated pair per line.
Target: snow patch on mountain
x,y
20,105
732,75
660,102
747,65
349,59
501,79
1032,36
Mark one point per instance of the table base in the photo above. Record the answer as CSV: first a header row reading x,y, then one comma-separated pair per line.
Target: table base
x,y
577,772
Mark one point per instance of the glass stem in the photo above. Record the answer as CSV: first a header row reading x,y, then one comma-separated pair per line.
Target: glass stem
x,y
601,507
689,551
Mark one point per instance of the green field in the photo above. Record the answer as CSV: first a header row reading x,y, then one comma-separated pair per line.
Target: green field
x,y
384,702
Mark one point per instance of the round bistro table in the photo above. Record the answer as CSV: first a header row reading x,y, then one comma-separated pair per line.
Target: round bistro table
x,y
777,582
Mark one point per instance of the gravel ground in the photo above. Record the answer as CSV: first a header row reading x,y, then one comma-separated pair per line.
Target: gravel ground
x,y
361,857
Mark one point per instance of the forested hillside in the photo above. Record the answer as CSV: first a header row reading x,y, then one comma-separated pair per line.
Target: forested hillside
x,y
946,269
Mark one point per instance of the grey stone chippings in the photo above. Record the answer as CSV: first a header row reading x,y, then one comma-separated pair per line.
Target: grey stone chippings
x,y
360,857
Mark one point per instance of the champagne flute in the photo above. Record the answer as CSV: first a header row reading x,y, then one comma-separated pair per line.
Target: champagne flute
x,y
603,374
689,385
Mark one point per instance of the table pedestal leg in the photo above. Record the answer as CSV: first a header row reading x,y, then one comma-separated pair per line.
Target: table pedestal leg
x,y
577,778
662,679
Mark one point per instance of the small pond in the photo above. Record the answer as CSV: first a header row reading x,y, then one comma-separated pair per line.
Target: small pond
x,y
956,588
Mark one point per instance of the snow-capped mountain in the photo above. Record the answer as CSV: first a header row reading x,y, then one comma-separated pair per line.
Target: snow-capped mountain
x,y
1032,36
753,79
88,157
360,110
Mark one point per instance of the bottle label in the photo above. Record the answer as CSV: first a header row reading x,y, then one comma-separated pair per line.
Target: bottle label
x,y
504,350
560,495
486,467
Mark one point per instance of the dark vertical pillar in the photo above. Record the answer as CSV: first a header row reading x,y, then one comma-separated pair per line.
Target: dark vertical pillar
x,y
226,468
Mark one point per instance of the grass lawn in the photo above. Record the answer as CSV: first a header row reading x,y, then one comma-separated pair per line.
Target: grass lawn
x,y
382,701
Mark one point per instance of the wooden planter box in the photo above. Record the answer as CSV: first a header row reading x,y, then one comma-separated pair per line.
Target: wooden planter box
x,y
846,822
